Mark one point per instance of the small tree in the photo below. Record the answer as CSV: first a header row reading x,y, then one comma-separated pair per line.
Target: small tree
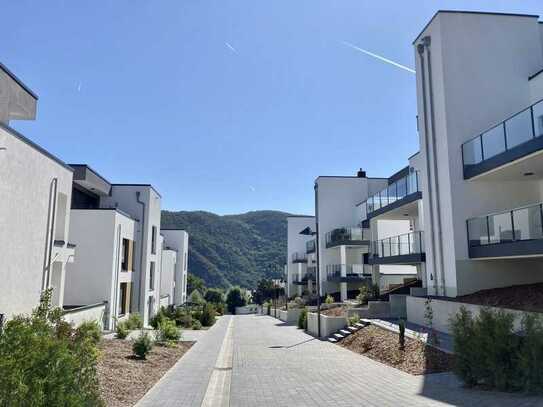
x,y
208,315
362,297
214,296
143,345
329,299
234,299
401,338
196,297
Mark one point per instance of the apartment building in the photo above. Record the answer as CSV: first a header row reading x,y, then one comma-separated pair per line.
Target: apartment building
x,y
176,240
301,261
34,210
480,118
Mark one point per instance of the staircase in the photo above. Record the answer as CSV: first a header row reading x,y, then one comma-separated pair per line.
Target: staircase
x,y
343,333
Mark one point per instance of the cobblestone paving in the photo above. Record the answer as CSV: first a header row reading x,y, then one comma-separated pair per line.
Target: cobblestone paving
x,y
277,365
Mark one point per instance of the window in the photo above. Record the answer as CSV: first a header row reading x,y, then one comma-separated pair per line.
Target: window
x,y
153,240
152,276
127,257
124,300
185,263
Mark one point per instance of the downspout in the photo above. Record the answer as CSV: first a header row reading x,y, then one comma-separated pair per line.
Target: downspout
x,y
54,185
115,306
317,254
420,50
138,193
427,42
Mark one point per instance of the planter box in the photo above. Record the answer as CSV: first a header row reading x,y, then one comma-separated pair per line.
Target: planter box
x,y
443,310
329,325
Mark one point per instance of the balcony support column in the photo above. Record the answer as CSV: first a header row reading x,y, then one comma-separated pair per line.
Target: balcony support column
x,y
300,272
343,262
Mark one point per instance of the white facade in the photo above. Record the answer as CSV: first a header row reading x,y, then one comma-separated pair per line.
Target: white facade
x,y
473,72
298,261
167,274
34,211
178,240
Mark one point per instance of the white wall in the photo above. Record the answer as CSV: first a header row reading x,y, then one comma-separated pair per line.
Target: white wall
x,y
26,178
296,243
167,274
179,241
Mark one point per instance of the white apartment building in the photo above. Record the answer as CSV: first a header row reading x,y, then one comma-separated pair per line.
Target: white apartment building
x,y
301,260
480,119
176,241
34,210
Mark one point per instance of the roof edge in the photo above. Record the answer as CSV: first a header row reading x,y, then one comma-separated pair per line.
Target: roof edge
x,y
16,79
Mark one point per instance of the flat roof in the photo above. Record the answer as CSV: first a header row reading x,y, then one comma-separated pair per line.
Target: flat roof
x,y
300,216
16,79
138,185
472,12
89,168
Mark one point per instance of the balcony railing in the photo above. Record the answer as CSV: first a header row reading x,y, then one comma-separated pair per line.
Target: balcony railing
x,y
408,243
519,224
515,131
299,257
347,235
394,192
310,246
333,271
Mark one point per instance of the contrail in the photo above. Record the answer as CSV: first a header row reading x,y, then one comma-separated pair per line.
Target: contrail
x,y
231,48
388,61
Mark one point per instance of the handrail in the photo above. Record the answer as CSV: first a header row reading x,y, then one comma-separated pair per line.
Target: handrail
x,y
396,245
347,234
400,188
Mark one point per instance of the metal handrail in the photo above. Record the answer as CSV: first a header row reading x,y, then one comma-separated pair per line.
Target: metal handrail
x,y
299,256
384,197
392,246
347,234
310,246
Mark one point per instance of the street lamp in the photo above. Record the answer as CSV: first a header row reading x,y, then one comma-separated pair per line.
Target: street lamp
x,y
308,232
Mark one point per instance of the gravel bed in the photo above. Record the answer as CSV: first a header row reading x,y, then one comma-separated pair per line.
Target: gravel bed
x,y
125,379
382,345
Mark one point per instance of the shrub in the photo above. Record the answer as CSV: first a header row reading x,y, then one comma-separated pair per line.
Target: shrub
x,y
329,299
122,330
375,291
220,308
488,351
401,337
142,346
235,299
158,318
134,321
196,297
187,320
168,331
196,325
42,366
363,296
214,296
268,308
302,319
353,319
208,315
89,330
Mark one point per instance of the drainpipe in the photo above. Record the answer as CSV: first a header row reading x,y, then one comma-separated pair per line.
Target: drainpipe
x,y
53,188
426,42
142,203
420,50
317,271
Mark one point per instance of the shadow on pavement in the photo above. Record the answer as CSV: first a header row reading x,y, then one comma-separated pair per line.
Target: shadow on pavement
x,y
290,346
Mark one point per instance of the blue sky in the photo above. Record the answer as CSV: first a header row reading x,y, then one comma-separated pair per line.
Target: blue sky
x,y
226,106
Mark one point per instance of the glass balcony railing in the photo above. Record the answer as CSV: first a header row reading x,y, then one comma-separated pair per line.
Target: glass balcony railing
x,y
346,235
522,127
408,243
505,227
299,257
394,192
352,270
310,246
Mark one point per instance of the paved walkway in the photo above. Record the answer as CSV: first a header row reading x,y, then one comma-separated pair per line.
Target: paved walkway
x,y
263,362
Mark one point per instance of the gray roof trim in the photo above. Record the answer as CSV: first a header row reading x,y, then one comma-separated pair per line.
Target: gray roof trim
x,y
471,12
538,72
16,79
119,211
35,146
138,185
91,170
413,155
300,216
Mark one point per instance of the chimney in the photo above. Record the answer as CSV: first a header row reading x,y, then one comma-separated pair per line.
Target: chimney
x,y
361,173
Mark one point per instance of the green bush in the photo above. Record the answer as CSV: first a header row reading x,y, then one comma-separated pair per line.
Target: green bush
x,y
142,345
196,297
158,318
208,315
41,366
329,299
363,296
122,330
353,319
196,325
168,331
89,330
134,321
220,307
214,296
234,299
488,351
401,337
302,319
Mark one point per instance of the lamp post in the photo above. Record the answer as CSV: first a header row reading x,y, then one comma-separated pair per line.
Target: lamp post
x,y
308,232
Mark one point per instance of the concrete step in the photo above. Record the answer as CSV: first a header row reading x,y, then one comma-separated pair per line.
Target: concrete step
x,y
332,340
338,336
344,332
352,328
360,325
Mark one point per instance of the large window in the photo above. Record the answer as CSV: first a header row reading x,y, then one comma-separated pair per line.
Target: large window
x,y
153,240
152,276
124,300
127,256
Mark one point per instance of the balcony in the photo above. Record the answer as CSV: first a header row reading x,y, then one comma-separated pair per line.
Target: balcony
x,y
404,191
311,274
403,249
348,237
299,257
310,246
518,137
517,232
354,273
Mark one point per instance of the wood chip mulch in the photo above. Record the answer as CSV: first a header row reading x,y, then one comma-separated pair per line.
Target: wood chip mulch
x,y
125,379
334,312
527,297
382,345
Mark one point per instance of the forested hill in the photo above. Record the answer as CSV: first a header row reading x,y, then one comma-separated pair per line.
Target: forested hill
x,y
233,249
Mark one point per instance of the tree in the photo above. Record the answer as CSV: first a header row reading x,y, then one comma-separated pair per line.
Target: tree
x,y
235,299
214,296
196,298
195,283
264,291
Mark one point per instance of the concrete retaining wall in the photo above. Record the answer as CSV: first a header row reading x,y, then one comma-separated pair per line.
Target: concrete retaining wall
x,y
329,325
247,309
94,312
444,310
398,306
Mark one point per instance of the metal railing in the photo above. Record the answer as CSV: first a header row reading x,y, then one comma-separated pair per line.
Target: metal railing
x,y
299,257
310,246
347,235
408,243
351,270
518,224
520,128
394,192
